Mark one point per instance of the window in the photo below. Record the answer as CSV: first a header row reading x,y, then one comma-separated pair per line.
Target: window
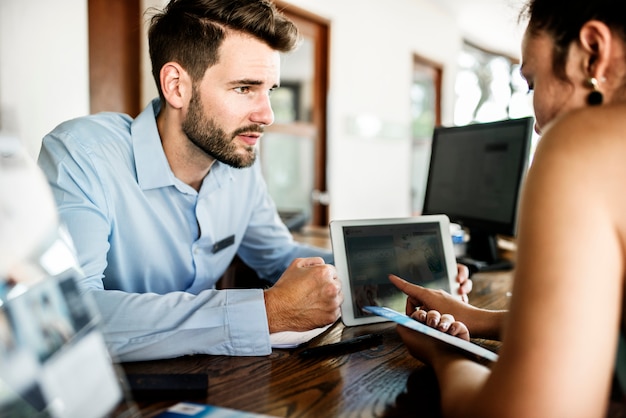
x,y
489,87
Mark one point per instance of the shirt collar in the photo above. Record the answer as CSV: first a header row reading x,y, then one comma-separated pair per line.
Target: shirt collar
x,y
153,170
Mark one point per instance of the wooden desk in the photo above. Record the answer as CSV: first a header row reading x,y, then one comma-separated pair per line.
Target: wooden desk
x,y
314,235
381,381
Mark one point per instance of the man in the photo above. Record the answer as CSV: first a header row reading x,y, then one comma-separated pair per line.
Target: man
x,y
159,206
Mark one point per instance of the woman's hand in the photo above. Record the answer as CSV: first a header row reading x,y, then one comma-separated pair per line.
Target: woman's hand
x,y
482,322
430,299
442,322
464,281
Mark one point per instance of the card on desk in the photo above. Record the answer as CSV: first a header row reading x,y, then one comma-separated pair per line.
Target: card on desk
x,y
195,410
466,347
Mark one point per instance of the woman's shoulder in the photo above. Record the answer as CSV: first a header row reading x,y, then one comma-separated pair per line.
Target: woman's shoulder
x,y
598,131
592,121
584,152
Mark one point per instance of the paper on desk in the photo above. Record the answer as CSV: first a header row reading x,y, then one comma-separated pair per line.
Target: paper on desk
x,y
291,339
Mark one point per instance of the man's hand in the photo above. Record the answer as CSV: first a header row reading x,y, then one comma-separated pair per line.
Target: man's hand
x,y
308,295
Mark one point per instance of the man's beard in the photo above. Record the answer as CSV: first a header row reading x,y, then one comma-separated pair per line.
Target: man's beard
x,y
213,140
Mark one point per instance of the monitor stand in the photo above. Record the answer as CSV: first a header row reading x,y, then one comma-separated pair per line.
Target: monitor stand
x,y
483,255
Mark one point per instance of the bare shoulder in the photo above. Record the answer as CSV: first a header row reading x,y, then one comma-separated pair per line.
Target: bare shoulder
x,y
598,129
582,156
589,144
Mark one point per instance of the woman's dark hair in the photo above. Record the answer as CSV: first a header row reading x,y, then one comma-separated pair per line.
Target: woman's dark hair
x,y
190,32
563,19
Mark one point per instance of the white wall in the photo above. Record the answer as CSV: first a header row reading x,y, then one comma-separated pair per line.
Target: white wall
x,y
44,73
44,80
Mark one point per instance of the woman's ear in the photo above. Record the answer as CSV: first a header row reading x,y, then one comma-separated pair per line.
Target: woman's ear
x,y
175,84
596,41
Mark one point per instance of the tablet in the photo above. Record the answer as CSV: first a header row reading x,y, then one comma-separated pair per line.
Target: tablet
x,y
466,347
418,249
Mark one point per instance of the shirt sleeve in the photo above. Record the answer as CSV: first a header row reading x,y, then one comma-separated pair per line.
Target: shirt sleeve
x,y
144,326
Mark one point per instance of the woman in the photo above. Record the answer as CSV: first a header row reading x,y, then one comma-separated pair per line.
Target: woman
x,y
560,337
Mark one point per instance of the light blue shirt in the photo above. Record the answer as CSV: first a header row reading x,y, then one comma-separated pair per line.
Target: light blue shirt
x,y
145,240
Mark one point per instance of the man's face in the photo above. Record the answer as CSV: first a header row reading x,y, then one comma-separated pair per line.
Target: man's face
x,y
230,106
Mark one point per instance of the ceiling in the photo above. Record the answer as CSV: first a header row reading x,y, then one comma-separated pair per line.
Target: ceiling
x,y
490,24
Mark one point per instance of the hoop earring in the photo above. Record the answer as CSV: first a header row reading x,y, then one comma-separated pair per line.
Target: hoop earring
x,y
594,98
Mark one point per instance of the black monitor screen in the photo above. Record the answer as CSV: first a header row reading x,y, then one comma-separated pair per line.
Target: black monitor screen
x,y
475,176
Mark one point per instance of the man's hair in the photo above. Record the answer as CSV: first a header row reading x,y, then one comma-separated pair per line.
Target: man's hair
x,y
563,19
190,32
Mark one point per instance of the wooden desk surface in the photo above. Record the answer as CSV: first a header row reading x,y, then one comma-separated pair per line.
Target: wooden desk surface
x,y
380,381
314,235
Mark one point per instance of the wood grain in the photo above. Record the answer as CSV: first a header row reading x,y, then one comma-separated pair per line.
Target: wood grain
x,y
380,381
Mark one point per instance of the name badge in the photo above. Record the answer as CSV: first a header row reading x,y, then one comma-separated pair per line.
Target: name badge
x,y
225,243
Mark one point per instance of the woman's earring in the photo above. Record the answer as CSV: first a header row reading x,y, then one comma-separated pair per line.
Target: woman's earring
x,y
595,98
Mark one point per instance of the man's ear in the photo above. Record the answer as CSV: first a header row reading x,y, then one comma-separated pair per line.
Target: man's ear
x,y
175,84
596,41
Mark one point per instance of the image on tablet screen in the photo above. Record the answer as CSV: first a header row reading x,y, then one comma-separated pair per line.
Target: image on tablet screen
x,y
411,251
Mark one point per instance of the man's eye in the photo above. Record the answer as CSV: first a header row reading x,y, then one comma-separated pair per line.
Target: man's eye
x,y
242,90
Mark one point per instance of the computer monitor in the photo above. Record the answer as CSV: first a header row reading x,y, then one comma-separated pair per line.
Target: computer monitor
x,y
475,177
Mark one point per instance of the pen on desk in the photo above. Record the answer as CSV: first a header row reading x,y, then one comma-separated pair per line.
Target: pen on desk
x,y
351,344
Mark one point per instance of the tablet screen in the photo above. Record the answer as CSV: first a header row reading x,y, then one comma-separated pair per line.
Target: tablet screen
x,y
412,251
